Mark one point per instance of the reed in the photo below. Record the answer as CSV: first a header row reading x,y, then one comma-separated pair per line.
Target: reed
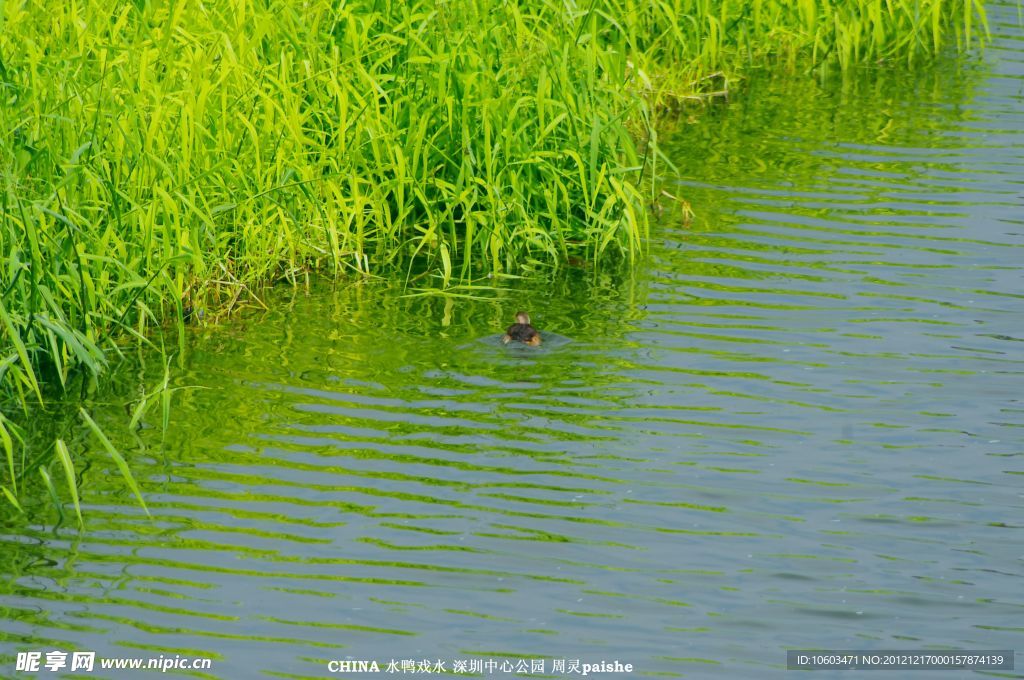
x,y
162,159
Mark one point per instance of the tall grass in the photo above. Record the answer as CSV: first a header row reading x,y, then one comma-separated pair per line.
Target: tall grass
x,y
159,158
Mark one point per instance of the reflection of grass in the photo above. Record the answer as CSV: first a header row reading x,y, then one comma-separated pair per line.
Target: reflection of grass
x,y
83,428
162,159
874,107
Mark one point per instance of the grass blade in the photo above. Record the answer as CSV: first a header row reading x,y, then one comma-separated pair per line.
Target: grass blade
x,y
117,457
69,473
11,498
58,506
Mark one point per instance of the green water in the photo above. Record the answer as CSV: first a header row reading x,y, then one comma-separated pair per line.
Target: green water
x,y
798,426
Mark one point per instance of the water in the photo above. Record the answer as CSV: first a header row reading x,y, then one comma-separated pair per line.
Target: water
x,y
799,426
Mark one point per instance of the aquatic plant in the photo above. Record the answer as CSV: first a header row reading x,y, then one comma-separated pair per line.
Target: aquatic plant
x,y
161,160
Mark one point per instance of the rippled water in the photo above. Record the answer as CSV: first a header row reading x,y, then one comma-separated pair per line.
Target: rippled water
x,y
799,426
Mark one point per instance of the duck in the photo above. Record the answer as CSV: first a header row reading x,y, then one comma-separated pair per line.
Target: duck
x,y
522,331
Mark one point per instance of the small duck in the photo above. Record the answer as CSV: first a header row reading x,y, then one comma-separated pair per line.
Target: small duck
x,y
522,331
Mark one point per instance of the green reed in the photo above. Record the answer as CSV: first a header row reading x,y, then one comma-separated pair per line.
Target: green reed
x,y
163,159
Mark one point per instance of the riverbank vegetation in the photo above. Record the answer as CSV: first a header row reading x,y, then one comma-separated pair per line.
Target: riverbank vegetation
x,y
164,159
